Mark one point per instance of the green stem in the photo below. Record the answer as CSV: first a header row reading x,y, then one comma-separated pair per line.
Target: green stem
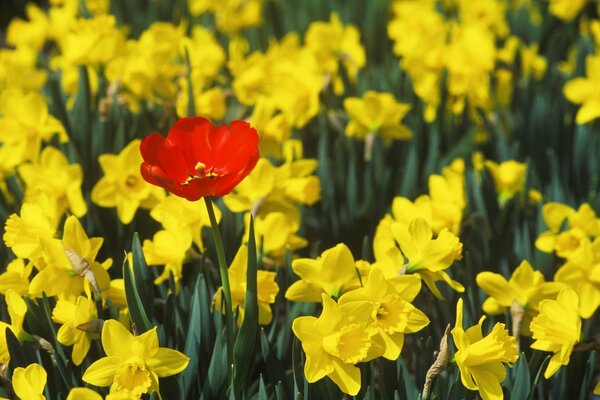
x,y
224,280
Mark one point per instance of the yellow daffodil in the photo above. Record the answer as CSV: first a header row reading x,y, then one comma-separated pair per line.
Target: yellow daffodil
x,y
582,274
470,58
176,213
146,70
276,233
584,91
557,328
24,124
231,15
566,9
23,232
392,314
168,248
122,185
70,263
584,220
93,41
481,360
509,178
425,255
336,341
81,393
443,207
333,43
267,288
16,277
292,183
334,273
28,383
411,35
287,76
80,325
526,287
376,114
133,363
57,178
210,103
17,308
30,34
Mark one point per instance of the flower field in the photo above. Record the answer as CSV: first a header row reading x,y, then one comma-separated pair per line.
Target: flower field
x,y
316,199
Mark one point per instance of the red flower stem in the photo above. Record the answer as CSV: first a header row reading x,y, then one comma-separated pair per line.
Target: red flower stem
x,y
224,278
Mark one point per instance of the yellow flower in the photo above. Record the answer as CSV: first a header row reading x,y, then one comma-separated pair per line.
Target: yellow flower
x,y
336,341
557,328
269,187
209,103
442,208
481,359
425,256
392,314
18,70
57,178
377,113
334,273
94,41
525,286
23,233
276,233
411,35
566,9
80,325
509,178
231,15
207,57
30,34
470,57
176,213
585,91
169,248
584,220
28,383
267,288
582,274
17,308
81,393
24,124
122,185
287,77
147,70
133,363
16,277
333,43
71,264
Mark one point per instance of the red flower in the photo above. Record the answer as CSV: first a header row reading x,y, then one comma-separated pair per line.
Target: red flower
x,y
198,159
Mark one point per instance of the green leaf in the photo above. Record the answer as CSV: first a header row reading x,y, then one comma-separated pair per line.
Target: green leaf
x,y
521,378
192,344
143,276
538,375
245,344
588,377
134,303
275,370
217,370
262,390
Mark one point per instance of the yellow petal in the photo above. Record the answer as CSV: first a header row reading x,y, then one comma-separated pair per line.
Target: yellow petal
x,y
81,393
346,376
167,362
116,339
28,383
102,372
